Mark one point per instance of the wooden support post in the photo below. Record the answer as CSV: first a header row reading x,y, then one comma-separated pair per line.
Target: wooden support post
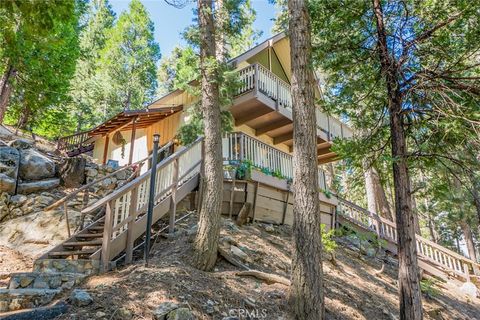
x,y
105,149
65,210
201,180
192,201
255,90
232,196
466,271
132,214
285,207
132,140
106,240
173,201
255,200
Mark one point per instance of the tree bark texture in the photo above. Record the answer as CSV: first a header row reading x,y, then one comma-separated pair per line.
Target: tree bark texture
x,y
467,234
5,90
206,241
306,291
376,196
408,273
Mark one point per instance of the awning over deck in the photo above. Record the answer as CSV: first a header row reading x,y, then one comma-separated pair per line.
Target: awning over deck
x,y
125,120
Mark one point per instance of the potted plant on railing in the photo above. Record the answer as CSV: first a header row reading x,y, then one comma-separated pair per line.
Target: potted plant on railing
x,y
229,171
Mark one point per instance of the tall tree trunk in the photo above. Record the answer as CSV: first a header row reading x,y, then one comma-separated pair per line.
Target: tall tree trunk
x,y
416,217
306,292
467,234
476,201
220,20
369,187
376,196
206,241
431,227
5,90
408,276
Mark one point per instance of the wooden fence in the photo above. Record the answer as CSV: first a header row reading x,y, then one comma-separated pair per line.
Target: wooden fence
x,y
427,250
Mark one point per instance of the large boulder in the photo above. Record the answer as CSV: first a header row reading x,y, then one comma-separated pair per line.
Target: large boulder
x,y
7,184
37,186
21,143
9,161
9,158
35,166
72,172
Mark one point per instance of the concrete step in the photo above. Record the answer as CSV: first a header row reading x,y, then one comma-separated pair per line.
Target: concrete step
x,y
42,280
17,299
84,266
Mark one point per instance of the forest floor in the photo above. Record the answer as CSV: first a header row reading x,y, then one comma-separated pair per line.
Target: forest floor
x,y
353,287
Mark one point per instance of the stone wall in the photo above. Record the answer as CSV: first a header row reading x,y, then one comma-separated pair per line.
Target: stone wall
x,y
13,206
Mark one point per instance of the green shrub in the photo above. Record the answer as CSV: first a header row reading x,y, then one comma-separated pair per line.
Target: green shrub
x,y
329,245
428,287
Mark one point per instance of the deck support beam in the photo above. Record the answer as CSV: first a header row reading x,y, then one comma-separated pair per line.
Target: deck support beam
x,y
252,116
132,140
273,126
283,138
105,149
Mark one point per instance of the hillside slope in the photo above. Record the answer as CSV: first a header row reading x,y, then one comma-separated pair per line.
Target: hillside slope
x,y
354,290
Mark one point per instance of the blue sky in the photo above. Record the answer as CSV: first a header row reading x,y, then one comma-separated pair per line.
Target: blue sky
x,y
171,22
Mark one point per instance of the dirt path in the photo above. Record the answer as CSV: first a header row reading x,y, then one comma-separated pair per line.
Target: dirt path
x,y
12,261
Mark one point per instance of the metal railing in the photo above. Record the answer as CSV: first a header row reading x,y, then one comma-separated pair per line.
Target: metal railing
x,y
256,76
427,250
238,147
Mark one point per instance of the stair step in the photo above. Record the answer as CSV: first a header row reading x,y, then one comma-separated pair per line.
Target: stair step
x,y
89,235
96,228
72,253
42,280
17,299
83,243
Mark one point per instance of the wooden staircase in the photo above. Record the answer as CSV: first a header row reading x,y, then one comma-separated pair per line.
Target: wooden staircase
x,y
92,249
76,144
433,258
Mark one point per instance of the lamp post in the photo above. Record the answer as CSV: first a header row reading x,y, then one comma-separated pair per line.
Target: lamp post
x,y
151,197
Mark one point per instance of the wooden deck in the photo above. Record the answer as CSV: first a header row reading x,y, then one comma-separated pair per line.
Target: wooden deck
x,y
264,103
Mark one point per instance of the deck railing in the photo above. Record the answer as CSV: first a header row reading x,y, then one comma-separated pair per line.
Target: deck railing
x,y
256,76
74,141
426,249
239,147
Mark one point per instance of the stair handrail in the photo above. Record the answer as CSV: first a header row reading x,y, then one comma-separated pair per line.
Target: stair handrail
x,y
130,201
449,264
92,183
125,188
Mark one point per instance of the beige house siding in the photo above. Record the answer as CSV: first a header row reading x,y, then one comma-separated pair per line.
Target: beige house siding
x,y
115,151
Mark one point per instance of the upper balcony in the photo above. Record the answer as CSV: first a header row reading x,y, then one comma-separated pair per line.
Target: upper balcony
x,y
264,103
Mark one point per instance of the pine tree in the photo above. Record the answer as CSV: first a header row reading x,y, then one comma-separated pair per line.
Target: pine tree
x,y
307,274
129,61
405,66
206,240
38,51
87,84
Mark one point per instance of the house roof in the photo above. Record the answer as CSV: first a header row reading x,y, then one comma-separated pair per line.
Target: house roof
x,y
124,120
